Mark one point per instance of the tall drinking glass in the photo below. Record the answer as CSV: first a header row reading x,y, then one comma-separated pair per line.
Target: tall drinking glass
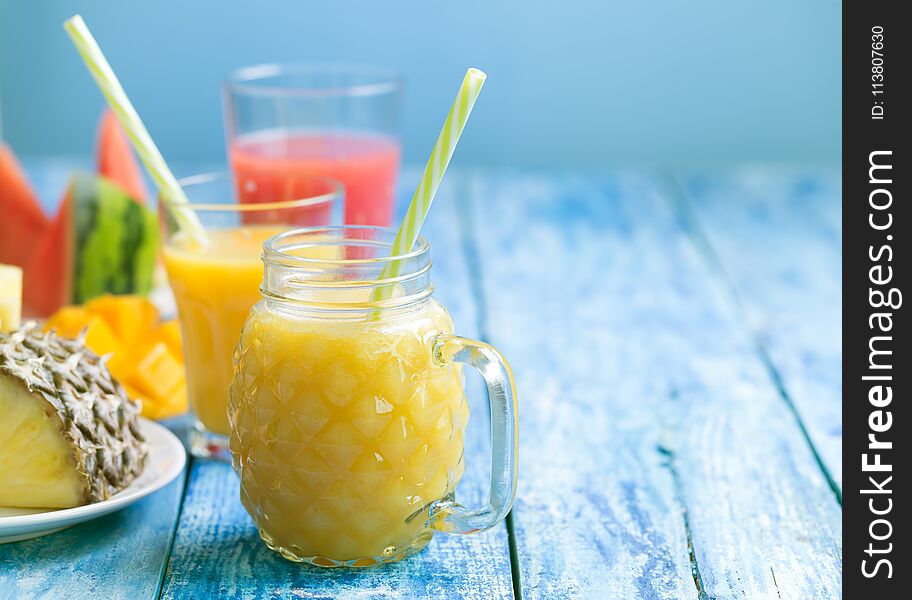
x,y
216,284
336,121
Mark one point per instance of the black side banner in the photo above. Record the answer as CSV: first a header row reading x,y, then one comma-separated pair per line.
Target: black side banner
x,y
876,175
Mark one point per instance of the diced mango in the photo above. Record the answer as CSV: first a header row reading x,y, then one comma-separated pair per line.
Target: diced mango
x,y
100,338
68,321
131,317
153,410
179,400
158,381
158,372
169,332
135,394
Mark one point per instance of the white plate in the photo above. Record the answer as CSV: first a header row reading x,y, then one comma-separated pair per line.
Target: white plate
x,y
165,462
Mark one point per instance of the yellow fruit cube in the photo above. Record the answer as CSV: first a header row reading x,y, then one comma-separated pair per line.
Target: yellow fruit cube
x,y
68,321
169,332
158,372
135,394
131,317
164,403
100,338
150,408
179,400
10,297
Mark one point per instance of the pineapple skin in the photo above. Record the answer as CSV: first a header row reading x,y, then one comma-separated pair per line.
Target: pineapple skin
x,y
84,444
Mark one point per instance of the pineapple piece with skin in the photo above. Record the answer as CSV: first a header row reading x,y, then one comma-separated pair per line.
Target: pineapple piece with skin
x,y
35,465
10,297
69,434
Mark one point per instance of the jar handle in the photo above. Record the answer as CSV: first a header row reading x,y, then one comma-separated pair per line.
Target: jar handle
x,y
451,516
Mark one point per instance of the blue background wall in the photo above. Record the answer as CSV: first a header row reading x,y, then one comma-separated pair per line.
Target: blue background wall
x,y
575,83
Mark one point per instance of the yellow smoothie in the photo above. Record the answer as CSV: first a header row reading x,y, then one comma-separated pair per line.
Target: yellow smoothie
x,y
215,286
344,431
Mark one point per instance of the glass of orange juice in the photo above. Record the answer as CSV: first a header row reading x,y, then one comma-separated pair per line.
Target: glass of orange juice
x,y
216,284
347,412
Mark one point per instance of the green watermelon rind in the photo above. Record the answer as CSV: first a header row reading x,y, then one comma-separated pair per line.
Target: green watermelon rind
x,y
142,257
116,241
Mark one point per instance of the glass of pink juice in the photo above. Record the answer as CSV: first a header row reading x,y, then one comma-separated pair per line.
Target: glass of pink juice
x,y
336,121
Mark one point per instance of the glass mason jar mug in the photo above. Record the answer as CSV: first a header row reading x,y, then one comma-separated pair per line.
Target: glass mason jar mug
x,y
347,408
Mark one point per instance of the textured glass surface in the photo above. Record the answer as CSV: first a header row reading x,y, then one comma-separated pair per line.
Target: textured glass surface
x,y
345,432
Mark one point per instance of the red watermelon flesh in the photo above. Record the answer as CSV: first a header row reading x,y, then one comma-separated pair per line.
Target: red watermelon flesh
x,y
22,222
115,157
48,275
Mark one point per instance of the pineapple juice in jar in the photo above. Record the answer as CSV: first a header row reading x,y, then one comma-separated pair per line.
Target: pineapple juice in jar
x,y
347,412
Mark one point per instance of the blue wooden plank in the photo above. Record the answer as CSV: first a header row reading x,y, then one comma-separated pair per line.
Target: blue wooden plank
x,y
217,551
596,513
122,555
777,235
657,461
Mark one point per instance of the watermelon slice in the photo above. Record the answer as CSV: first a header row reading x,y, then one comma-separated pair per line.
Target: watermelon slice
x,y
101,241
115,157
22,221
48,278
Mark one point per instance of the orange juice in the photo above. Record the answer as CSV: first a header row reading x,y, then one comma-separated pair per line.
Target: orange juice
x,y
215,286
345,431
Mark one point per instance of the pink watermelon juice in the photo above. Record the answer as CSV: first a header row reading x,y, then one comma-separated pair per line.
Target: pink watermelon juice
x,y
365,164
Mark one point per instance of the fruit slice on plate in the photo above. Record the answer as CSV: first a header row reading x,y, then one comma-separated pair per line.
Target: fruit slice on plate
x,y
22,221
69,435
115,158
101,241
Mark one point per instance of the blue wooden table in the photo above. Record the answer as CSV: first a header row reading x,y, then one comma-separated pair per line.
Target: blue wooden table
x,y
676,343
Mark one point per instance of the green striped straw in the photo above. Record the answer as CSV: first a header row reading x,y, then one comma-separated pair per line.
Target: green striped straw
x,y
436,166
142,142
